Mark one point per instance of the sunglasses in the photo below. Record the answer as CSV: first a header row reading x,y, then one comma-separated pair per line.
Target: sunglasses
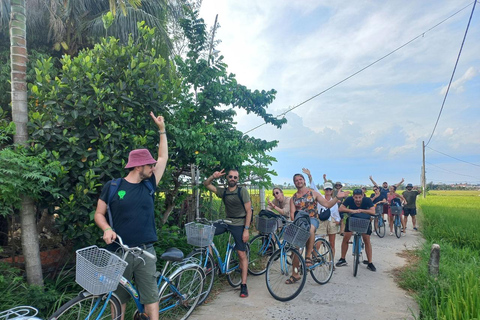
x,y
357,191
375,189
328,189
233,177
277,193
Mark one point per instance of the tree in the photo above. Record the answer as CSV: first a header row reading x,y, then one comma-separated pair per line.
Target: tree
x,y
18,58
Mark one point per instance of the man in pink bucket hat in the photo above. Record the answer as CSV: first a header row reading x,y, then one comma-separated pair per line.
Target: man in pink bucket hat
x,y
131,206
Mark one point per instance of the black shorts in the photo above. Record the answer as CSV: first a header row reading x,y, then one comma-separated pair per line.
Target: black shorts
x,y
236,231
409,211
369,231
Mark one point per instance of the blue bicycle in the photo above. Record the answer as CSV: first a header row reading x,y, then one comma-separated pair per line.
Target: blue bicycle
x,y
100,271
378,221
201,234
357,226
397,222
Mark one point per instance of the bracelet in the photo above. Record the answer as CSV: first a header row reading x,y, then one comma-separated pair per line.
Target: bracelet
x,y
162,132
107,229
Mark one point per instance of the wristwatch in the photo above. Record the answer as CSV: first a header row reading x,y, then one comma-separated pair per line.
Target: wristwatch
x,y
247,227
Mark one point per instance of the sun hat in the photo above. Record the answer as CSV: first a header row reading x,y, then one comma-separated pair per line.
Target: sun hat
x,y
327,185
339,183
409,185
139,157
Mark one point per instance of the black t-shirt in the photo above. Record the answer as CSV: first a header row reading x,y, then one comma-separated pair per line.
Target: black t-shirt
x,y
366,204
379,198
133,212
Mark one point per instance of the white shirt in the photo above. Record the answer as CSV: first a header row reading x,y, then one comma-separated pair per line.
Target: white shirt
x,y
334,213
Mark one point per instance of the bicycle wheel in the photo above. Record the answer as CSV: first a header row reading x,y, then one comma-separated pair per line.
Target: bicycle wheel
x,y
234,272
208,265
379,226
398,226
261,249
280,268
85,303
356,253
322,261
179,298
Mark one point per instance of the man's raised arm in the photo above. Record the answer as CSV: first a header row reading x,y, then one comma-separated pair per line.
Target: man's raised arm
x,y
374,183
208,183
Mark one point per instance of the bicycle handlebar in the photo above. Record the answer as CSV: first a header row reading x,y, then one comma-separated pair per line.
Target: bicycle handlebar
x,y
134,250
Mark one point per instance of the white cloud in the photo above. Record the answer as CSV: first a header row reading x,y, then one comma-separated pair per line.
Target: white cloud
x,y
383,114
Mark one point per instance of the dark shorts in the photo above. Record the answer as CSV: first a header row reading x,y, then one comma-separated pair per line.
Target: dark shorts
x,y
369,231
385,208
410,212
236,231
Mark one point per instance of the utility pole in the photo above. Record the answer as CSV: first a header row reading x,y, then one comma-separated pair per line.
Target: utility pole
x,y
424,178
211,40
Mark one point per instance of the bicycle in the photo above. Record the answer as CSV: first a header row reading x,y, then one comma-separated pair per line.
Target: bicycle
x,y
19,313
200,234
397,223
100,272
357,226
287,259
378,221
264,244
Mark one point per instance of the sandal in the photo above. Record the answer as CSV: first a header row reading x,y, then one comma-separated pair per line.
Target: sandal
x,y
292,280
308,262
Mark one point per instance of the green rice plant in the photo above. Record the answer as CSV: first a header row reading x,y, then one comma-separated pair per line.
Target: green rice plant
x,y
452,222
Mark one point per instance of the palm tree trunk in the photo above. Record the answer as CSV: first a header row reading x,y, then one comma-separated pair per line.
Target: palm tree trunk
x,y
18,57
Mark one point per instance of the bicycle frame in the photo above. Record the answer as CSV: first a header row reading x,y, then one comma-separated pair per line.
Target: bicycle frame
x,y
221,264
357,243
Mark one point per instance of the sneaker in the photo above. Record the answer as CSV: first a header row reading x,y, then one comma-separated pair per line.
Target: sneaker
x,y
371,267
415,229
341,263
365,261
391,233
243,291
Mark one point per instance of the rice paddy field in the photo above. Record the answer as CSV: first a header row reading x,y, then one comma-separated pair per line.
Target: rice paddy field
x,y
452,220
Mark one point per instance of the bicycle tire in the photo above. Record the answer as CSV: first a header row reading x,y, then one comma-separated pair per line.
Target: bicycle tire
x,y
261,249
279,270
398,226
189,284
356,254
322,258
80,306
209,268
234,272
379,226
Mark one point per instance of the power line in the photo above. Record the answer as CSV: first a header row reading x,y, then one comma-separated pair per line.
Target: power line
x,y
453,73
473,164
465,175
364,68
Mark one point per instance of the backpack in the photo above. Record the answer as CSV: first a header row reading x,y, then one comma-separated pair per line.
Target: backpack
x,y
267,214
239,197
324,214
302,220
396,202
114,185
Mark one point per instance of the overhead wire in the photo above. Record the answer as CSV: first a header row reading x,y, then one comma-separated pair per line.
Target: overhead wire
x,y
364,68
453,73
473,164
465,175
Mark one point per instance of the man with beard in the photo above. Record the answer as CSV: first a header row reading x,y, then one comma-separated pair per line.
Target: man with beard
x,y
239,210
306,199
132,208
359,207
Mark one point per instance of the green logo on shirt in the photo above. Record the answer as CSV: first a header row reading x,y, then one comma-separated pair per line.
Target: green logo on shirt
x,y
121,194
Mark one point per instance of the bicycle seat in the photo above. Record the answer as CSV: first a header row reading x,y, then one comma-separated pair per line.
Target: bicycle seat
x,y
172,254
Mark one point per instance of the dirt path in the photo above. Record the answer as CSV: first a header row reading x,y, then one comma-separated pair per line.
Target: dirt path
x,y
371,295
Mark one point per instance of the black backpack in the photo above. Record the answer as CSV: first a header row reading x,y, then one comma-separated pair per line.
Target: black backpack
x,y
114,185
302,220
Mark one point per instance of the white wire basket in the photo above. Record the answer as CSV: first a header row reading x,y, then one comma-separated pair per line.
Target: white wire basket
x,y
396,210
266,225
296,235
358,225
200,235
98,270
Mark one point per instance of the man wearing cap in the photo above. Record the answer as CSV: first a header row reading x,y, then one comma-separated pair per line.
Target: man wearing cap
x,y
238,209
338,188
132,209
359,207
411,207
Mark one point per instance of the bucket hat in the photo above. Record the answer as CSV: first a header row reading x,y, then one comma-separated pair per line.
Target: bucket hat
x,y
139,157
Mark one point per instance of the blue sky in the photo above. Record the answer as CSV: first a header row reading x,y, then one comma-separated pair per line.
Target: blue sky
x,y
374,123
